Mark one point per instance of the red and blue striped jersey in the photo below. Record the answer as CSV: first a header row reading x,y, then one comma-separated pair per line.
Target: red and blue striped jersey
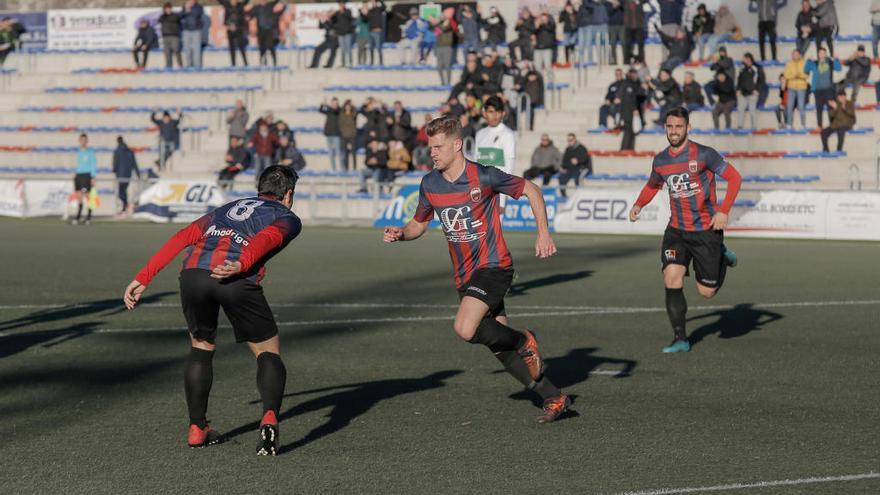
x,y
250,231
690,178
470,216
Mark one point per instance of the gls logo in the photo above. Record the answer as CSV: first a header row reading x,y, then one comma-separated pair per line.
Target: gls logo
x,y
680,185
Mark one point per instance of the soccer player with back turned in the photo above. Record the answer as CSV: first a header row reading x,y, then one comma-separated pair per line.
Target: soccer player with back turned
x,y
228,250
696,226
465,196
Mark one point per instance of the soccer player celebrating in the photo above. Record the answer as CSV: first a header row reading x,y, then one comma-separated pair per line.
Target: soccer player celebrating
x,y
465,196
696,227
228,250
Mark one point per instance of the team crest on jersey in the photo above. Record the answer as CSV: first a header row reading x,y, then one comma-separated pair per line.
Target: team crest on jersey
x,y
476,194
670,254
693,166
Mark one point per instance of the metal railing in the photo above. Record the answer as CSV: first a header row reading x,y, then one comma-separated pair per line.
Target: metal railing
x,y
855,178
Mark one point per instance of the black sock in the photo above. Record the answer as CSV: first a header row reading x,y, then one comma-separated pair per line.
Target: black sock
x,y
271,377
545,388
497,337
198,374
89,214
79,211
515,365
676,308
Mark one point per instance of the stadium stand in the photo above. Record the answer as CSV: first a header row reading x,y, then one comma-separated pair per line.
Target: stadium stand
x,y
51,96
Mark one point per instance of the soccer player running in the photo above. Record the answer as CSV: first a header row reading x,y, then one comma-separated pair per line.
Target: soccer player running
x,y
465,196
696,227
228,251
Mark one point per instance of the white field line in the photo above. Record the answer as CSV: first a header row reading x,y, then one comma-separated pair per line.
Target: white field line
x,y
758,484
429,306
571,311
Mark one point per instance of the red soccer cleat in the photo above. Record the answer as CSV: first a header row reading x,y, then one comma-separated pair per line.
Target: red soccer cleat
x,y
199,437
531,356
554,407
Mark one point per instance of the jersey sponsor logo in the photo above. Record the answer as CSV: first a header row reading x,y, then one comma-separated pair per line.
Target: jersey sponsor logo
x,y
670,254
457,223
680,185
476,194
213,231
693,166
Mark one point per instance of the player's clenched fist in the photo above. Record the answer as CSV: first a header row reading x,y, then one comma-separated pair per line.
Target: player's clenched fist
x,y
634,213
392,234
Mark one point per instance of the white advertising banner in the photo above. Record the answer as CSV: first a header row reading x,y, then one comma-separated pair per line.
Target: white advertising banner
x,y
179,200
607,211
33,198
789,214
305,17
776,213
853,215
95,28
12,202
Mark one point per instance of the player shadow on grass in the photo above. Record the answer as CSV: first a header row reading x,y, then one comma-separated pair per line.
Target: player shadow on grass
x,y
348,402
576,367
18,342
522,288
738,321
67,312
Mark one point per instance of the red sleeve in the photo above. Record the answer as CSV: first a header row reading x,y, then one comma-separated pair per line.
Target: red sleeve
x,y
650,190
186,236
277,234
734,181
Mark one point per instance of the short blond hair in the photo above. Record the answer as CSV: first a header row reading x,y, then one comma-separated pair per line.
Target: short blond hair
x,y
447,125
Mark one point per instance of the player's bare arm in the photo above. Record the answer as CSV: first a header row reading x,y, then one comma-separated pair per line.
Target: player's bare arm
x,y
410,232
544,245
133,294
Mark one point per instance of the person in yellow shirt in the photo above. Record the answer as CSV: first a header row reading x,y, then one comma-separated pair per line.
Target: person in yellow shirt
x,y
796,84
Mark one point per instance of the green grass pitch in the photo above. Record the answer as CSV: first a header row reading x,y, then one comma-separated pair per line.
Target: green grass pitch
x,y
383,398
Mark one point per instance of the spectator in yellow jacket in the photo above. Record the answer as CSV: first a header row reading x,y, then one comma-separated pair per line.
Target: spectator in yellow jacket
x,y
796,84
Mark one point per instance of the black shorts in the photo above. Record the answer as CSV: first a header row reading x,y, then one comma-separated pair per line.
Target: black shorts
x,y
704,248
241,300
82,182
489,285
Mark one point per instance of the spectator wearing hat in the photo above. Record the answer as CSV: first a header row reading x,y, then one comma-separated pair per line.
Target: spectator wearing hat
x,y
843,118
145,41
